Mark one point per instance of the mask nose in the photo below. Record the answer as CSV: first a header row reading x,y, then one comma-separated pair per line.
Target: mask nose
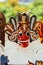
x,y
25,37
24,40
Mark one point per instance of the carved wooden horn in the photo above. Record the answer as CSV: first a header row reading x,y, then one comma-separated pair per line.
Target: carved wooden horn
x,y
13,22
19,17
32,21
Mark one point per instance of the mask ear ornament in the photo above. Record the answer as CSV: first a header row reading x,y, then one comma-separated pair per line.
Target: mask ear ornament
x,y
33,34
11,29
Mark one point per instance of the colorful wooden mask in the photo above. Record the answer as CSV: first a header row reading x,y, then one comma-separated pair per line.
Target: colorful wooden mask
x,y
22,29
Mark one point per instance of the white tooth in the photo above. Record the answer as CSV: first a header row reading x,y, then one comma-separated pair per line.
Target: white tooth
x,y
23,41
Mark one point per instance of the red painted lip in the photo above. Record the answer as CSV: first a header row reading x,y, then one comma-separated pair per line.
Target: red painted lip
x,y
23,44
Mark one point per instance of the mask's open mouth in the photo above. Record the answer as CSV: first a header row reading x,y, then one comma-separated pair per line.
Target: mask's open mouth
x,y
24,43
